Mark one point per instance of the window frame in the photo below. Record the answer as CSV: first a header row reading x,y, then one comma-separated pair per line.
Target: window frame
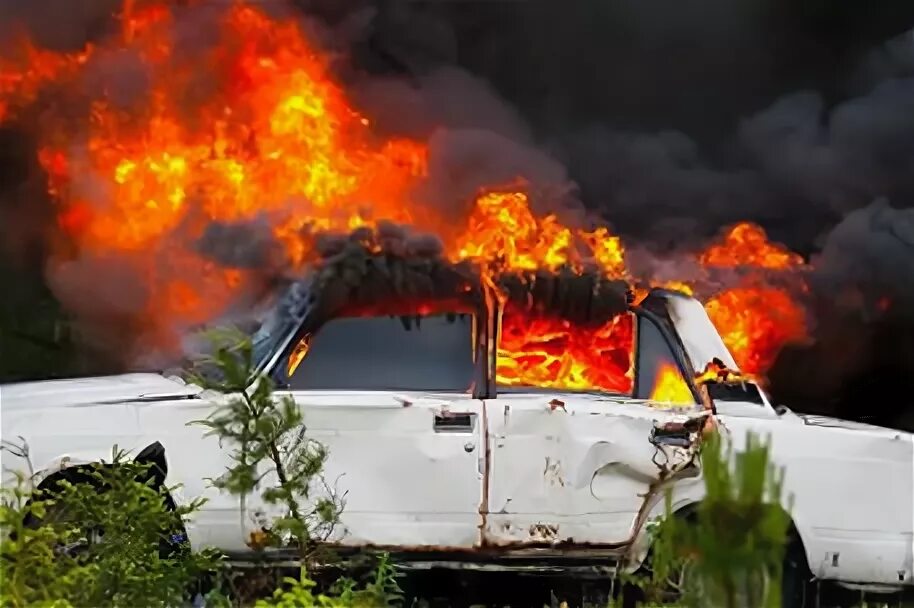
x,y
484,385
676,350
281,378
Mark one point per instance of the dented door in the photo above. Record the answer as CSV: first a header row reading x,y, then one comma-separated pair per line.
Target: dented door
x,y
574,469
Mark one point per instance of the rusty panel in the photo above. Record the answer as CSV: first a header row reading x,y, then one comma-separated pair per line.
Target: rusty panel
x,y
575,475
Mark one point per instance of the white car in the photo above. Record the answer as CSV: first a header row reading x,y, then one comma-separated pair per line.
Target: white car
x,y
494,476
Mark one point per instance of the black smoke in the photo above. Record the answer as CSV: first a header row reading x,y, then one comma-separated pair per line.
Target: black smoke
x,y
674,119
666,119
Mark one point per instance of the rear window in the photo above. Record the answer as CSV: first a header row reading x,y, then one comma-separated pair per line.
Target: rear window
x,y
424,352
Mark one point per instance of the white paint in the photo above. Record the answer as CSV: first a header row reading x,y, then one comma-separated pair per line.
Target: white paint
x,y
573,474
406,483
700,340
91,390
569,480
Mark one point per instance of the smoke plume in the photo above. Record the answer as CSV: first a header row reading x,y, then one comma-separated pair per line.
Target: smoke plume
x,y
663,119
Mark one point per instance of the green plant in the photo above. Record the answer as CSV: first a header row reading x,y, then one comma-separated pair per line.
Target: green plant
x,y
97,538
729,551
270,448
272,454
382,592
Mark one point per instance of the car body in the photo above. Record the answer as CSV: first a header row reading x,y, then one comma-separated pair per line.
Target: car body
x,y
506,477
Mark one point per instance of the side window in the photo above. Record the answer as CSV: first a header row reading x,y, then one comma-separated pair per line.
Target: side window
x,y
428,353
541,351
658,375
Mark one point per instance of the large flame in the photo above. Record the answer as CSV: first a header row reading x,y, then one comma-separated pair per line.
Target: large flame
x,y
552,353
755,319
254,127
670,387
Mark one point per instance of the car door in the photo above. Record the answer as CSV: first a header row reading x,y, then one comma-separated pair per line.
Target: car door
x,y
391,403
194,459
579,467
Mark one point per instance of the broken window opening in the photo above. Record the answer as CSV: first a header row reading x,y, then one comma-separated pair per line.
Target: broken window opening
x,y
660,377
433,352
542,351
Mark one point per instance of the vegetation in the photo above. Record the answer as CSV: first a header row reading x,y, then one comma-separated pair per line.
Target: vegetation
x,y
270,449
79,547
113,539
729,551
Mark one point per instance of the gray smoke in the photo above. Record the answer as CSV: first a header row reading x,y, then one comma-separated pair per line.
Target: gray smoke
x,y
870,252
249,245
63,25
667,120
443,96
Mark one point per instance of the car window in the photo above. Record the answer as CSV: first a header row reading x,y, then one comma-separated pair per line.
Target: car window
x,y
549,352
430,352
659,375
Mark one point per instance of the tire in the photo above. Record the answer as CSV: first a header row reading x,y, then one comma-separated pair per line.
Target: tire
x,y
797,590
172,543
797,587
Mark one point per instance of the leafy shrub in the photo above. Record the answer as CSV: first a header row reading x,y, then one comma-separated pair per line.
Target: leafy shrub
x,y
382,592
730,551
109,540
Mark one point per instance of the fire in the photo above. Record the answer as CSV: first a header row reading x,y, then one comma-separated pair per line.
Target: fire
x,y
255,127
755,322
670,387
716,371
754,318
503,230
553,353
746,244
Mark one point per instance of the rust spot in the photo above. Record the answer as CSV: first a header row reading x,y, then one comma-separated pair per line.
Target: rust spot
x,y
706,402
258,540
484,502
555,404
543,532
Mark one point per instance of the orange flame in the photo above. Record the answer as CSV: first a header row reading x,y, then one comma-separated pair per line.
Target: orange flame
x,y
670,387
256,127
503,230
553,353
755,322
746,244
754,319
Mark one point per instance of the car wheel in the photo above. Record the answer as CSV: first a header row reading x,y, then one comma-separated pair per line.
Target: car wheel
x,y
172,542
796,588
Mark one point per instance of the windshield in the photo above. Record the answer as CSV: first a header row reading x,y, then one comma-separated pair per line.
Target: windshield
x,y
278,324
424,352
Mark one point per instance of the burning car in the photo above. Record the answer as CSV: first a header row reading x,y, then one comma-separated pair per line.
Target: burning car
x,y
493,420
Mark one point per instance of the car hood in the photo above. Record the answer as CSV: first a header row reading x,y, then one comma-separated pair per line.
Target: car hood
x,y
98,389
837,423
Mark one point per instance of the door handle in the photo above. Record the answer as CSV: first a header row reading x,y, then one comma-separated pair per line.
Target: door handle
x,y
455,423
